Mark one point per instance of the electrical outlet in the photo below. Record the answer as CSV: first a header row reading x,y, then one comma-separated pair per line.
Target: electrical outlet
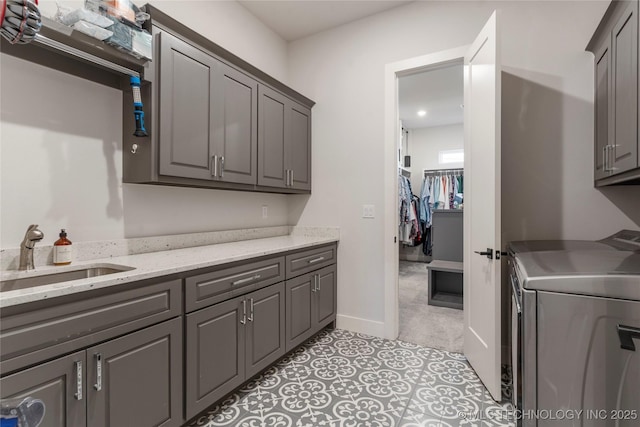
x,y
368,211
265,211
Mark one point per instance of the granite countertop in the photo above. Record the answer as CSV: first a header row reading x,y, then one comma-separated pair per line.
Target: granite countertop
x,y
156,264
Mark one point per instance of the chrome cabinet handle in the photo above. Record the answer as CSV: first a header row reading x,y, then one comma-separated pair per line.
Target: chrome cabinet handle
x,y
604,158
313,289
313,261
98,384
250,309
318,281
244,312
214,160
221,166
286,177
246,280
78,393
291,178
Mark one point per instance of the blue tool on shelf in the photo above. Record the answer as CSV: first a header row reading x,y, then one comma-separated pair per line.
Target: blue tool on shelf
x,y
27,412
137,107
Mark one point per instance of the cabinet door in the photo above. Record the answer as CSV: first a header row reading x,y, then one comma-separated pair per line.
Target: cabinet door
x,y
602,111
186,123
235,136
265,328
299,147
214,353
59,384
326,296
272,122
624,70
300,306
136,380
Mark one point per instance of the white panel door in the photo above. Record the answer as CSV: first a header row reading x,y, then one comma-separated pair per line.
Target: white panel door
x,y
482,206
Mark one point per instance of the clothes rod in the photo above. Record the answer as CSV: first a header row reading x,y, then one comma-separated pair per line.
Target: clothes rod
x,y
442,171
84,55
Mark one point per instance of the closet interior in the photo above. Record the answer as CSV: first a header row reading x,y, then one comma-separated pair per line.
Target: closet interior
x,y
430,207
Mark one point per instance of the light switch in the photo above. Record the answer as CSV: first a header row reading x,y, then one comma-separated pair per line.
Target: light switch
x,y
368,211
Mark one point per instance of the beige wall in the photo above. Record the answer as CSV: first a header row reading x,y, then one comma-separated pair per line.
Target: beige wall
x,y
61,151
547,129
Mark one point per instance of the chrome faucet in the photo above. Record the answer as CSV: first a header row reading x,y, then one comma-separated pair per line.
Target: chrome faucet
x,y
31,237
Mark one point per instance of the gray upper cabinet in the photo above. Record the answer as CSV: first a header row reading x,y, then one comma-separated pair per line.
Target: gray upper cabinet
x,y
208,116
300,147
59,384
136,380
187,90
602,111
272,144
624,74
235,137
214,120
284,142
616,114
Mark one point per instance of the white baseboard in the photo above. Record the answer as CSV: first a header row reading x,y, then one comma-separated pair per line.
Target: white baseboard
x,y
363,326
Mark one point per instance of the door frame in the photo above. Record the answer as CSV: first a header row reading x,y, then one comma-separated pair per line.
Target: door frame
x,y
393,71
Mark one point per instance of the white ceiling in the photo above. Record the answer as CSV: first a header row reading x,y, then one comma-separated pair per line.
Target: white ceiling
x,y
296,19
438,92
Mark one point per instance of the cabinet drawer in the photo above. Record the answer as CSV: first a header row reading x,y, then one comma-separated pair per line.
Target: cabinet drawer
x,y
33,336
209,288
313,259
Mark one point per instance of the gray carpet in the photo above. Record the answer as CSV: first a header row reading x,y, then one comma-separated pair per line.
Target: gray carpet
x,y
421,323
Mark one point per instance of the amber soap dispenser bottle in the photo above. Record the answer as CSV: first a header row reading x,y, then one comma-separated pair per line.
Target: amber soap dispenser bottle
x,y
62,250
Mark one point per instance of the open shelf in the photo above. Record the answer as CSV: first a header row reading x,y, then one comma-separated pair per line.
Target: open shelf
x,y
108,66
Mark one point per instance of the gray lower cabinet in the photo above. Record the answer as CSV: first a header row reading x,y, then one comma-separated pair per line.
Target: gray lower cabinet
x,y
284,141
59,384
311,304
229,342
134,380
615,45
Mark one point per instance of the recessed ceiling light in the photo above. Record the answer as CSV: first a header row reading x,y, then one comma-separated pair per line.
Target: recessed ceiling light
x,y
422,113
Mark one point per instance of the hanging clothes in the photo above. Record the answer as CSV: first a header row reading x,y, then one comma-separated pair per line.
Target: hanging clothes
x,y
408,222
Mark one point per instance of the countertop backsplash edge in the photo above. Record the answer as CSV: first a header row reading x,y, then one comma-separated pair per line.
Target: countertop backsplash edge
x,y
90,250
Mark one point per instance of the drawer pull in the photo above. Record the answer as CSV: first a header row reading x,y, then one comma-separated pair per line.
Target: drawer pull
x,y
78,393
313,261
244,312
98,384
250,309
246,280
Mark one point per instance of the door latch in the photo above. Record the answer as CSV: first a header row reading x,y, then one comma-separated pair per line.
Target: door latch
x,y
488,253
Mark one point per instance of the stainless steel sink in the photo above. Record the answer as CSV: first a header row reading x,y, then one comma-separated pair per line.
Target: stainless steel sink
x,y
34,279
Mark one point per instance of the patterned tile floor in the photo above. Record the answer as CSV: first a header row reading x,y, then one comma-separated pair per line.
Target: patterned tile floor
x,y
344,379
